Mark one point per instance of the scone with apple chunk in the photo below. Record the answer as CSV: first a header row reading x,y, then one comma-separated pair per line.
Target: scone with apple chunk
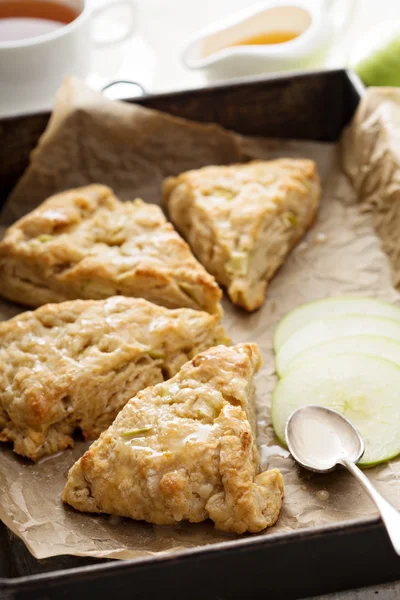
x,y
242,220
185,450
74,365
85,243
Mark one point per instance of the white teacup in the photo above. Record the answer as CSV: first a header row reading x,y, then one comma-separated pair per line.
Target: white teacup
x,y
32,69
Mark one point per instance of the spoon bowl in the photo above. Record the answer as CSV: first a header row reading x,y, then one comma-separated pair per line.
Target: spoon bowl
x,y
319,438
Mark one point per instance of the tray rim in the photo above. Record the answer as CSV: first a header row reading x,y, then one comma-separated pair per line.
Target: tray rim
x,y
240,544
56,577
229,83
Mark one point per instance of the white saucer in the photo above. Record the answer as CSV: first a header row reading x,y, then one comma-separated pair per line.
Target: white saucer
x,y
132,60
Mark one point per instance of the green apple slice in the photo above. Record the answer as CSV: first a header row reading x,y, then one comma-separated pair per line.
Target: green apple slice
x,y
331,307
325,330
365,389
373,345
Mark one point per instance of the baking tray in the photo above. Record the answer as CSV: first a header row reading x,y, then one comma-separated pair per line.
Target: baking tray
x,y
312,106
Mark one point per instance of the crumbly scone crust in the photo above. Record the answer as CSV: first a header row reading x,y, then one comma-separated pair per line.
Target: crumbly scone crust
x,y
185,450
85,243
242,220
75,365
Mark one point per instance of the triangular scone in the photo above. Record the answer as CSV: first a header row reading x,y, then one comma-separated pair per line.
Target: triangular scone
x,y
75,365
85,243
185,450
242,220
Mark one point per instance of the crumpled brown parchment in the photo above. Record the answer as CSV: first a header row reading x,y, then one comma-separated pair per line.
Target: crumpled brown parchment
x,y
130,148
371,159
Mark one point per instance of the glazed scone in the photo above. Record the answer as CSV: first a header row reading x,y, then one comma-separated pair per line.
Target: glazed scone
x,y
74,365
185,450
85,243
242,220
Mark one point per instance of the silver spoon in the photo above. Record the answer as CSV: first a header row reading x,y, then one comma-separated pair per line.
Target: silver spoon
x,y
319,439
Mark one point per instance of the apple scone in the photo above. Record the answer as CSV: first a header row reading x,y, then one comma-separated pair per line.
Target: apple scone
x,y
85,243
242,220
185,450
74,365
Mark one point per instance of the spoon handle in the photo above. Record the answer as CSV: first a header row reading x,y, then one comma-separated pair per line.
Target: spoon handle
x,y
390,516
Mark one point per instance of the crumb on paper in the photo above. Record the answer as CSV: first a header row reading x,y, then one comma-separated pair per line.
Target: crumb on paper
x,y
302,247
322,495
321,238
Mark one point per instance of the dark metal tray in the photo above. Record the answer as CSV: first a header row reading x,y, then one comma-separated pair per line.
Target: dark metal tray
x,y
307,106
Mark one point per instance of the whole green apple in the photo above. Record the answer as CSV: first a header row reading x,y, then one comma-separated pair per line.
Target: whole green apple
x,y
376,57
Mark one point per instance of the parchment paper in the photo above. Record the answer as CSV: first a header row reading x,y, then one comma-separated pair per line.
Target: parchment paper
x,y
130,148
